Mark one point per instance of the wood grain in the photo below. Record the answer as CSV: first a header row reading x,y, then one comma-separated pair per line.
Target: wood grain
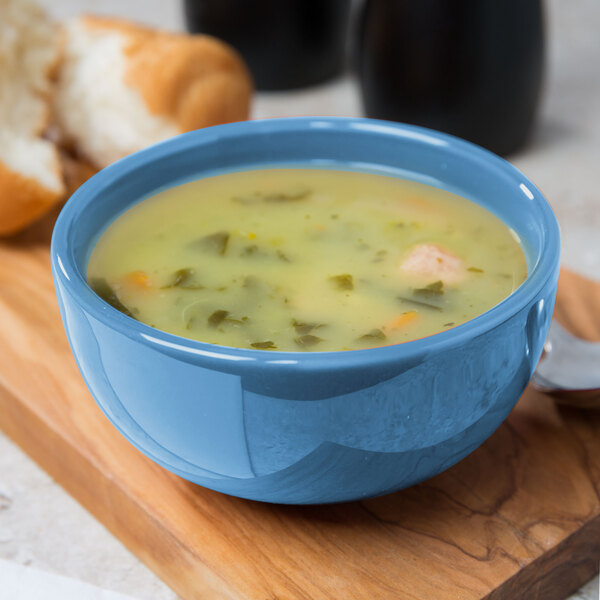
x,y
518,519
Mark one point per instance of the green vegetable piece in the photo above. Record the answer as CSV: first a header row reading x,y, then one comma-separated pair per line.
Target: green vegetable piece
x,y
108,294
249,250
236,321
343,282
304,328
217,317
422,303
283,256
248,200
215,242
268,345
252,282
433,289
306,341
379,256
184,279
373,335
475,270
222,316
292,195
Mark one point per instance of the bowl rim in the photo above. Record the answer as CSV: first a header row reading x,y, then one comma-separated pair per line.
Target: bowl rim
x,y
65,269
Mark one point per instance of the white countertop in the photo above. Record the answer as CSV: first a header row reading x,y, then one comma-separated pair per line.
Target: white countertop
x,y
43,527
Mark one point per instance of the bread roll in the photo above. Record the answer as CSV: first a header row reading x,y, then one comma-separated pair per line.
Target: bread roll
x,y
30,171
123,87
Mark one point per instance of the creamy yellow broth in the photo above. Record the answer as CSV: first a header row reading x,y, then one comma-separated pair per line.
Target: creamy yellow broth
x,y
305,260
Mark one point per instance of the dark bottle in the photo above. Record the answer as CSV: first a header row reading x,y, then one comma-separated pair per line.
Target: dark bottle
x,y
286,43
472,68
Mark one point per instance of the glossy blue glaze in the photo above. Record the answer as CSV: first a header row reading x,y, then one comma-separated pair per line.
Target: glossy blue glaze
x,y
308,427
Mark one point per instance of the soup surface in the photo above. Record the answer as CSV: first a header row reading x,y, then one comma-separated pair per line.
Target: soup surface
x,y
305,260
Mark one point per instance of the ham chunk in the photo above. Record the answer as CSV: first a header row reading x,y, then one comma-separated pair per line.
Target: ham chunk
x,y
433,262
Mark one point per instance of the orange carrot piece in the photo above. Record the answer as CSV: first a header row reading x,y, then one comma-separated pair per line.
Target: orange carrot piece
x,y
401,321
138,279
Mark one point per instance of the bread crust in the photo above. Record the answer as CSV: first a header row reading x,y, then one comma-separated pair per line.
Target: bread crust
x,y
29,59
22,200
196,80
193,81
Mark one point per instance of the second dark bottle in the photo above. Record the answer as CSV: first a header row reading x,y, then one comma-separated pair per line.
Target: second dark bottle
x,y
472,68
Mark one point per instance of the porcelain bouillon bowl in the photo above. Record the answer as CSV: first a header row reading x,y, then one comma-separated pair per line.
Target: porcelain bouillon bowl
x,y
310,427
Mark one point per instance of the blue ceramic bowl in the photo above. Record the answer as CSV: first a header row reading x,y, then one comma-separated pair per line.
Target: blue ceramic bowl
x,y
308,427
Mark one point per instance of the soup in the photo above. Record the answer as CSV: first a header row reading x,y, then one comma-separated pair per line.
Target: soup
x,y
305,260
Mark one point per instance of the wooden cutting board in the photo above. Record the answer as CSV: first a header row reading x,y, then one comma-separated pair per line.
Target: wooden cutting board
x,y
518,519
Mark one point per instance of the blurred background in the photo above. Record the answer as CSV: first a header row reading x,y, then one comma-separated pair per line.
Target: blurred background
x,y
541,110
561,153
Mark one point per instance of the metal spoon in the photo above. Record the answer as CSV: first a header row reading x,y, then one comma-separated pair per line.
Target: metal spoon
x,y
569,369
